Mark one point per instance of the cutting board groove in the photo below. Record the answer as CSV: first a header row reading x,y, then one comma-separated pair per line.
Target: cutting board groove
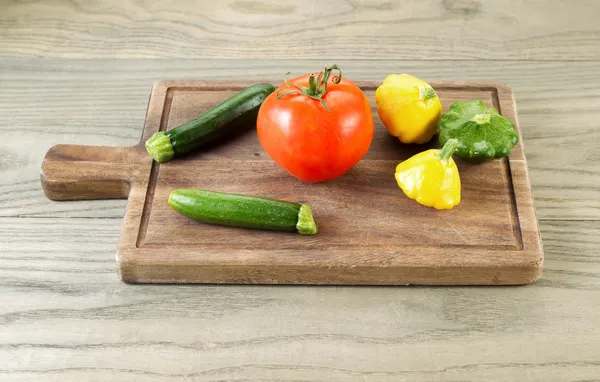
x,y
370,233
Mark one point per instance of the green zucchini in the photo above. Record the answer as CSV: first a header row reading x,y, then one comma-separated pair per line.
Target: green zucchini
x,y
232,114
243,211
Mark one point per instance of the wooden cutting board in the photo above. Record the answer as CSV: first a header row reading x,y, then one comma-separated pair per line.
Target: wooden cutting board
x,y
369,232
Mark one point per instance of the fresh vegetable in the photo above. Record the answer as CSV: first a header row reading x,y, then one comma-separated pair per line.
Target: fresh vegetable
x,y
243,211
316,127
408,107
481,132
234,113
431,177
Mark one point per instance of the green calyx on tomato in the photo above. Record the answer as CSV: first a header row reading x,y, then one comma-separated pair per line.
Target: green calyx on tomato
x,y
316,87
316,126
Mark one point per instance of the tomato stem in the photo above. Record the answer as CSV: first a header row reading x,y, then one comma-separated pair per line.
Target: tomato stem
x,y
316,87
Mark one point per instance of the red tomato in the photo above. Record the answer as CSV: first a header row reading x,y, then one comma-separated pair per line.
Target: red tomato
x,y
310,142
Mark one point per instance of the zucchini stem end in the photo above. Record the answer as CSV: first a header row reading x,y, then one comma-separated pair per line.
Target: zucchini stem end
x,y
160,148
306,223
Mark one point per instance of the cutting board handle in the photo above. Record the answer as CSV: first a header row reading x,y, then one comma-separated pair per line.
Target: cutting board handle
x,y
73,172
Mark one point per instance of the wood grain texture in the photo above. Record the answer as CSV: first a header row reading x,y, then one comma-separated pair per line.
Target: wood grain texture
x,y
95,172
41,98
287,29
255,333
64,315
491,238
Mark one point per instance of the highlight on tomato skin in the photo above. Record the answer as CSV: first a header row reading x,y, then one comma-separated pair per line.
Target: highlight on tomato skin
x,y
316,126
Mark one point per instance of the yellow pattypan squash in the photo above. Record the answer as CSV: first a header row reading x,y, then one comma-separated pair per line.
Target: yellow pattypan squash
x,y
408,107
431,177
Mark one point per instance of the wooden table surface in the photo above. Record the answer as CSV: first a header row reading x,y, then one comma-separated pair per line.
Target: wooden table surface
x,y
80,72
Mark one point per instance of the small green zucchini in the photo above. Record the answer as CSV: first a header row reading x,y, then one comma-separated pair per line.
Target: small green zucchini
x,y
231,114
243,211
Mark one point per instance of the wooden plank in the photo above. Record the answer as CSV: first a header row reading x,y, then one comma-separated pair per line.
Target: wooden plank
x,y
319,30
491,238
147,332
48,102
558,372
70,245
51,291
571,254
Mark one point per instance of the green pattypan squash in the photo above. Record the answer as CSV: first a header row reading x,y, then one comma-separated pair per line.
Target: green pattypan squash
x,y
482,133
